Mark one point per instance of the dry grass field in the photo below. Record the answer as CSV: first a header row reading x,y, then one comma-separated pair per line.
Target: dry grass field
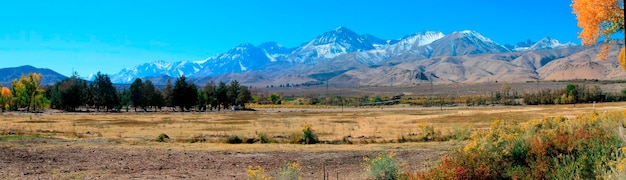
x,y
371,130
379,124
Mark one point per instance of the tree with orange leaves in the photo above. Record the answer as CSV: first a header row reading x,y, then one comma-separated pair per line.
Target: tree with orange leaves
x,y
5,97
600,18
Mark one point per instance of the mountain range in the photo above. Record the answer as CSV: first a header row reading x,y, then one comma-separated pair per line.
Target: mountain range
x,y
344,57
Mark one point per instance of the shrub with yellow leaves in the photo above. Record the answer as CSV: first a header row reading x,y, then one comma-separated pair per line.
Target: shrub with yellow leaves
x,y
257,173
290,171
585,147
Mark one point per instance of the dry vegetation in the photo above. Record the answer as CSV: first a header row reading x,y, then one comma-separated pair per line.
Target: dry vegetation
x,y
371,130
383,124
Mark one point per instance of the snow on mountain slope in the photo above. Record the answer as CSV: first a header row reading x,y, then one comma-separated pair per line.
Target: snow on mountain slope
x,y
400,47
416,40
274,51
460,43
549,43
543,44
377,42
521,46
330,45
242,58
156,68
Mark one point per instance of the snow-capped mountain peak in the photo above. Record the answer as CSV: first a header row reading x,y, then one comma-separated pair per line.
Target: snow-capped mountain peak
x,y
470,33
243,47
342,28
545,43
460,43
330,45
549,43
340,35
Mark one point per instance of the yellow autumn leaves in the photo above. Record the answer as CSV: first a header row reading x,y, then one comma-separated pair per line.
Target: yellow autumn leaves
x,y
289,171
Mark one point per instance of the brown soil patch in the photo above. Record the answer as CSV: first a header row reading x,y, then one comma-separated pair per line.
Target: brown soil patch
x,y
62,159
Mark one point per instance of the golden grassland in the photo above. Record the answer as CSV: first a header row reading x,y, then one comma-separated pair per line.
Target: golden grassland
x,y
361,125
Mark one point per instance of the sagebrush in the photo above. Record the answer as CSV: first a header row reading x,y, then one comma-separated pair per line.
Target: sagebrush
x,y
586,147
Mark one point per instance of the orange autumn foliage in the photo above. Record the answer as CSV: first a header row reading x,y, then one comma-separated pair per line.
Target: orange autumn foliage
x,y
600,18
6,92
5,96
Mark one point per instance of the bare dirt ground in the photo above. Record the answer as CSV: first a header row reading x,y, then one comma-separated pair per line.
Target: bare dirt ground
x,y
47,158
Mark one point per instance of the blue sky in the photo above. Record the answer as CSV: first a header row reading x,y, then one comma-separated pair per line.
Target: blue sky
x,y
107,36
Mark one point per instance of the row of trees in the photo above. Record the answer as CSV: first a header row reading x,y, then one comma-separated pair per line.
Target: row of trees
x,y
571,94
72,93
224,95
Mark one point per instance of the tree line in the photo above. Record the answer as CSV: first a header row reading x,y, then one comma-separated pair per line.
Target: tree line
x,y
572,94
75,94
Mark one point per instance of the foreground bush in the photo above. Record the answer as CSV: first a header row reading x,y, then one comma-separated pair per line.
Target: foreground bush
x,y
587,147
383,167
290,171
256,173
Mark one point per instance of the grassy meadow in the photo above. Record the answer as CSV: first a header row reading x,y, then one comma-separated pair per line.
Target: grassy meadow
x,y
331,125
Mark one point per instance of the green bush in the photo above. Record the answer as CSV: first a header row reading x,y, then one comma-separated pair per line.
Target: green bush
x,y
383,167
234,139
162,137
307,136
